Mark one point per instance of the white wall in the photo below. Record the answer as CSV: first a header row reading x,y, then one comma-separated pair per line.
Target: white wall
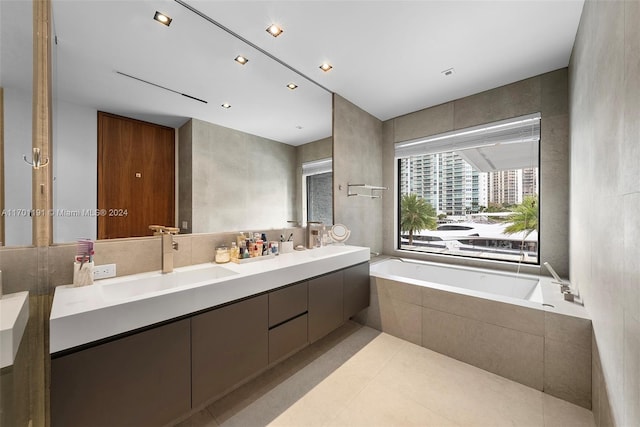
x,y
75,185
605,199
17,142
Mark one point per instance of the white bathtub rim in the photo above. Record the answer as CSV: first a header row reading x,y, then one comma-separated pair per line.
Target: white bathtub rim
x,y
552,299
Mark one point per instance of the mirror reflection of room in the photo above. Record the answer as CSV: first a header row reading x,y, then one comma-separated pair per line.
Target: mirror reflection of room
x,y
231,154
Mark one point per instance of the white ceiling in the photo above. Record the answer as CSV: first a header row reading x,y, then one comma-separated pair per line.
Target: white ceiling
x,y
387,56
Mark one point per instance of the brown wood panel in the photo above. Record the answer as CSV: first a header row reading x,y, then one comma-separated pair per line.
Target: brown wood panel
x,y
287,303
140,380
287,338
228,346
325,305
136,172
356,289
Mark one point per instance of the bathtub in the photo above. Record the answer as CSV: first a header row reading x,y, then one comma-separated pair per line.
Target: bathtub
x,y
514,325
470,281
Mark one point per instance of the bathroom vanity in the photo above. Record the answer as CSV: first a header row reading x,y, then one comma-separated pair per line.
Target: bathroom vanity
x,y
149,348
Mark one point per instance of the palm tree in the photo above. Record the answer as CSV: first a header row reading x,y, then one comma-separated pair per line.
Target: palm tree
x,y
524,218
416,214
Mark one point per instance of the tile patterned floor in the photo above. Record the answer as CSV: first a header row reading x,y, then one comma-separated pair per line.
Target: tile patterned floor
x,y
358,376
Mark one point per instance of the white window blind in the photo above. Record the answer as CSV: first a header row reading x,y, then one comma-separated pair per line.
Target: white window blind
x,y
523,131
317,166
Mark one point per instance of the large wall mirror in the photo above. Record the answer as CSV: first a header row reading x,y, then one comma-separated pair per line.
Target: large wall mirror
x,y
16,71
238,168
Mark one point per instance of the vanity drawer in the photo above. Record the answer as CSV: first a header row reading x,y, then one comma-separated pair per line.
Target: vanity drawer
x,y
287,303
287,338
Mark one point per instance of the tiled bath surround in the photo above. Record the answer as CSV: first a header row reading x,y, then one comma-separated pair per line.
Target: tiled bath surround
x,y
543,350
604,88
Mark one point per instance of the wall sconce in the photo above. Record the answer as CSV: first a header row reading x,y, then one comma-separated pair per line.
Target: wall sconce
x,y
36,161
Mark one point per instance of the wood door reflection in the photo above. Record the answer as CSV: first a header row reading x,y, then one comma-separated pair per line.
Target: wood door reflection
x,y
136,173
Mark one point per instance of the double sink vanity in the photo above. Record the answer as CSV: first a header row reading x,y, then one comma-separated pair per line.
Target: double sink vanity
x,y
150,348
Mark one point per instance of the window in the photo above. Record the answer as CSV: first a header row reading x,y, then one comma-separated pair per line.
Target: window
x,y
317,191
472,192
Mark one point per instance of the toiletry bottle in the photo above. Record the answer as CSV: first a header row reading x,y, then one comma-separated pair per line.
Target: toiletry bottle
x,y
234,250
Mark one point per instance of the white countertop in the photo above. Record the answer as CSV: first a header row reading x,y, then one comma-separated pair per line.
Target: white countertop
x,y
14,315
81,315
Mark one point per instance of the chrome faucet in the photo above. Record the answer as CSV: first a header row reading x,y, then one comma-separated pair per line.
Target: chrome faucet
x,y
565,287
168,245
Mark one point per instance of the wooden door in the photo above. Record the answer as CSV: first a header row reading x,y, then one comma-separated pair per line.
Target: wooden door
x,y
136,168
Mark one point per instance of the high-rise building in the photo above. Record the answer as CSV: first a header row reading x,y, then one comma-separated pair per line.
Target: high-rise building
x,y
510,187
444,180
454,188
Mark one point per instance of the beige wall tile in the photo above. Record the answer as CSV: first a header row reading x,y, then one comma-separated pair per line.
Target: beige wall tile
x,y
430,121
61,259
370,316
19,269
397,290
631,391
512,100
570,330
401,319
567,372
554,97
357,159
182,256
131,256
496,313
506,352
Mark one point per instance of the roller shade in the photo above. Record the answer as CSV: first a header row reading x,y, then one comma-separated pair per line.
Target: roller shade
x,y
523,132
317,166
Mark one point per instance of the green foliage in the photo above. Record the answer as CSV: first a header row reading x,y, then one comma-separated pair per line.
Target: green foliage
x,y
524,217
416,214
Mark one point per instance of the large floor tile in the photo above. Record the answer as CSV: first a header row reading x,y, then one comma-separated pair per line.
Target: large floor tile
x,y
460,392
377,405
357,376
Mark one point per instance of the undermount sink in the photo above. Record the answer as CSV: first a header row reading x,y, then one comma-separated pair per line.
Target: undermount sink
x,y
133,287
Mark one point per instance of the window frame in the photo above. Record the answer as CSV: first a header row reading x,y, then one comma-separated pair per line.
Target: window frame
x,y
397,196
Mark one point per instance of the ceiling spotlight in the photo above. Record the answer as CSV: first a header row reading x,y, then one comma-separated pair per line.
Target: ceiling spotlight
x,y
326,67
292,86
448,72
299,127
226,105
274,30
241,59
162,18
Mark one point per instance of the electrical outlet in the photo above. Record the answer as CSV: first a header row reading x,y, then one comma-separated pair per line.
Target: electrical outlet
x,y
104,271
185,225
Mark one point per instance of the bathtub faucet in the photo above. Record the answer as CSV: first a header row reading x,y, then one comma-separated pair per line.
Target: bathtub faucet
x,y
565,287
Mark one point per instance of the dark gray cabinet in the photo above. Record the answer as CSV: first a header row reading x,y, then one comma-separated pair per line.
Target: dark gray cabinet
x,y
325,305
287,321
228,345
139,380
154,376
356,289
287,303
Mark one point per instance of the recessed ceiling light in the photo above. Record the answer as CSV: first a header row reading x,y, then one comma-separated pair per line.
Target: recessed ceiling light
x,y
299,127
226,105
292,86
162,18
241,59
274,30
326,67
448,72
